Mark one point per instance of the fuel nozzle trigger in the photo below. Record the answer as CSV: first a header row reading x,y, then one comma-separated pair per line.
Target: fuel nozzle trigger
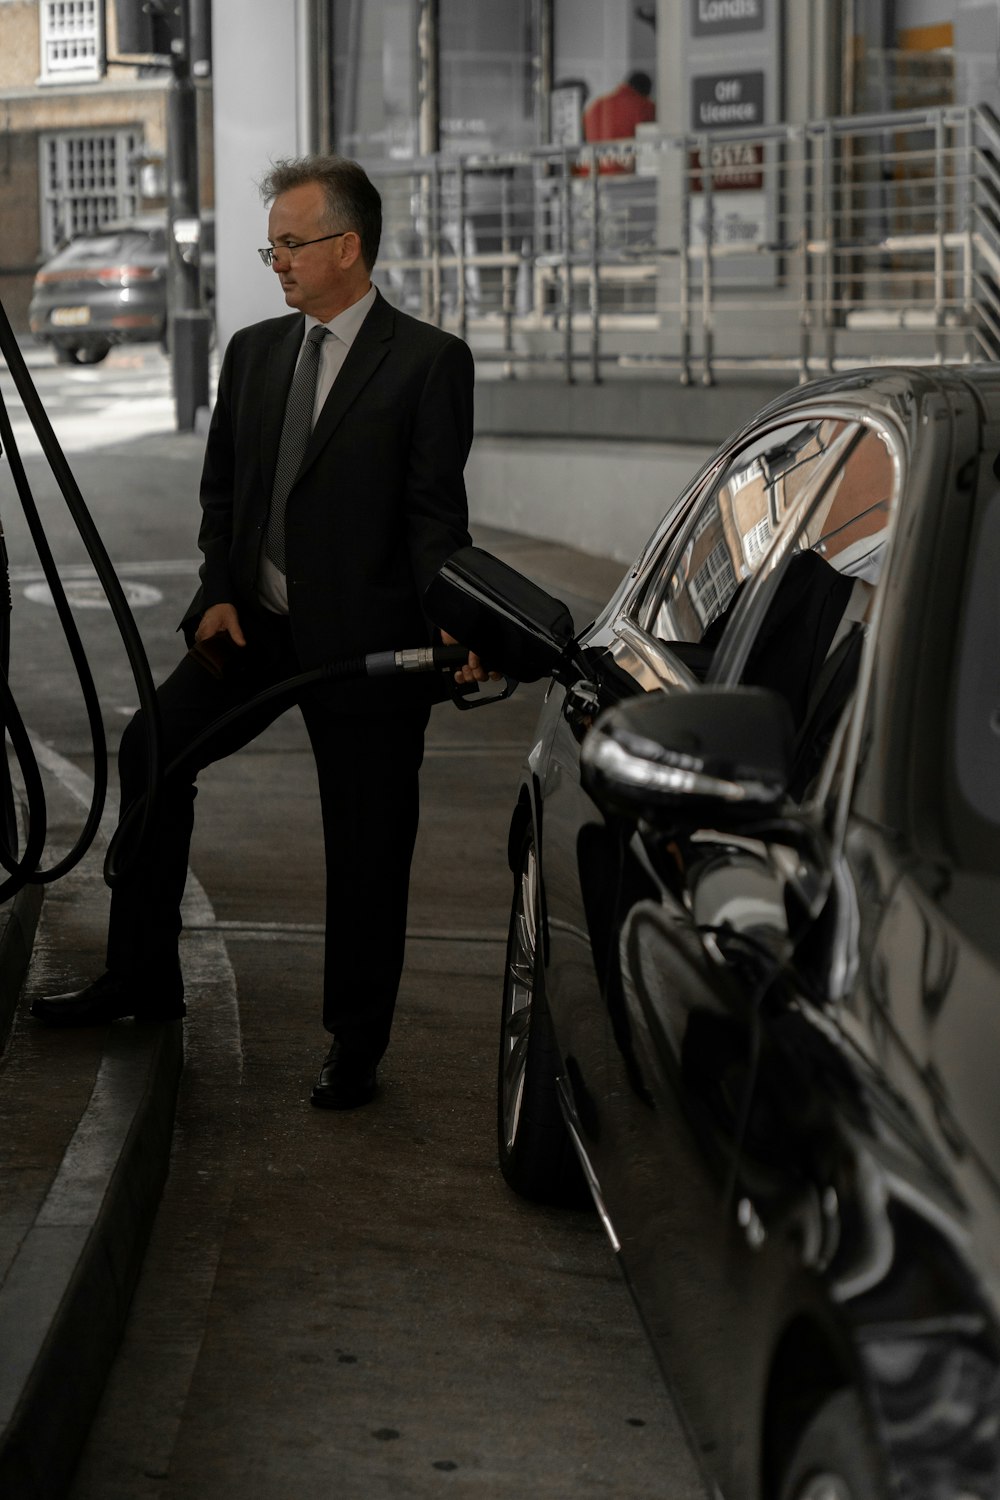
x,y
469,695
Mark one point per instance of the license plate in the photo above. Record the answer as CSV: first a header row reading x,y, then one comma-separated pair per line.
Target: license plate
x,y
70,317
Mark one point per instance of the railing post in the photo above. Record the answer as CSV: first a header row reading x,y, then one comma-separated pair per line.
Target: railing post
x,y
939,241
684,280
707,329
434,219
829,278
595,273
968,239
462,307
421,199
805,303
567,218
507,282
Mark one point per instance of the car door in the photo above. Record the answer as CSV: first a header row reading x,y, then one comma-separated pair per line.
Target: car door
x,y
922,852
707,922
660,634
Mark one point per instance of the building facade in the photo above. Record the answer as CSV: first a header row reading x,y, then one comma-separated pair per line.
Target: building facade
x,y
83,136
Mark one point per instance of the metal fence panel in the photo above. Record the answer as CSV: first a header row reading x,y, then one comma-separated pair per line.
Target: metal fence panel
x,y
789,247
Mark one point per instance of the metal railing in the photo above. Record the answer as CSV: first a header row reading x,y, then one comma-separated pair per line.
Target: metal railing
x,y
789,247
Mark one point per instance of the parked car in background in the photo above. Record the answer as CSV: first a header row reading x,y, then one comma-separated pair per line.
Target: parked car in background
x,y
110,287
753,973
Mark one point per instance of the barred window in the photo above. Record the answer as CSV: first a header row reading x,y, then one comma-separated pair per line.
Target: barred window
x,y
756,541
88,177
70,38
714,584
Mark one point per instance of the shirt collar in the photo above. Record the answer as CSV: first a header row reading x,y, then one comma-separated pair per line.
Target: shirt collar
x,y
346,325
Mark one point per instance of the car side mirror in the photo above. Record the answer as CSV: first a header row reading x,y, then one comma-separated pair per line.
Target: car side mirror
x,y
710,755
512,625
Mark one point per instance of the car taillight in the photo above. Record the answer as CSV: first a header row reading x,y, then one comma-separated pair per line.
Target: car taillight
x,y
118,274
128,273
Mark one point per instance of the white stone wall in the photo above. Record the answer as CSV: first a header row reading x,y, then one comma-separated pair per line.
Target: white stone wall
x,y
259,117
602,497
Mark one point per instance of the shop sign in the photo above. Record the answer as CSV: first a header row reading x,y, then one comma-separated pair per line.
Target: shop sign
x,y
737,167
723,17
722,100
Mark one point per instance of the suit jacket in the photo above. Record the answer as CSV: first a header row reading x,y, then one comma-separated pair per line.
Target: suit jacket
x,y
378,504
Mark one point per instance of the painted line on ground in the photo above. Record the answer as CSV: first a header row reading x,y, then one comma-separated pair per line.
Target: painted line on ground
x,y
292,931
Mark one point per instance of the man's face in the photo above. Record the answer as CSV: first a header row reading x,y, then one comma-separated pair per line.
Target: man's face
x,y
318,279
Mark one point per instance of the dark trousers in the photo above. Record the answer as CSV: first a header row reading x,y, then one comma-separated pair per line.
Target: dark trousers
x,y
367,767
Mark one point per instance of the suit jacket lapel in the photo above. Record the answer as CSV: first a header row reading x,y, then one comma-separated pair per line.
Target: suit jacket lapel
x,y
369,349
278,373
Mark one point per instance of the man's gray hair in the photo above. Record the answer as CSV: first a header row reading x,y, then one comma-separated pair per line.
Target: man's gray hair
x,y
352,200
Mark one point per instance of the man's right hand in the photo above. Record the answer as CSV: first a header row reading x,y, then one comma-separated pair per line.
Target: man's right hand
x,y
220,619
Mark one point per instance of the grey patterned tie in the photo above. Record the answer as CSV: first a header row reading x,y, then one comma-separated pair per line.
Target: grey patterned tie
x,y
294,438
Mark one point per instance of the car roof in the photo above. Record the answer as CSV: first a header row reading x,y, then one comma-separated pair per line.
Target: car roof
x,y
144,223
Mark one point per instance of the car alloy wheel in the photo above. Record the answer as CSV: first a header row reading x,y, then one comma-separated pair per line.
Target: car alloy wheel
x,y
522,954
825,1487
835,1457
93,353
536,1153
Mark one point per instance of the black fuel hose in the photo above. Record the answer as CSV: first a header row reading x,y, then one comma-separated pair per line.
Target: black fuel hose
x,y
375,664
23,870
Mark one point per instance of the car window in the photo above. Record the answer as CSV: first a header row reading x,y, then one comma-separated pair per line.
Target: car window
x,y
731,530
745,515
800,626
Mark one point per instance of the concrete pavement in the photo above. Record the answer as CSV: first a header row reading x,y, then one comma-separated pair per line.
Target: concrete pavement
x,y
349,1305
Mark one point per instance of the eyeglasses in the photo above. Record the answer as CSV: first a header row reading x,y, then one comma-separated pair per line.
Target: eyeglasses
x,y
270,251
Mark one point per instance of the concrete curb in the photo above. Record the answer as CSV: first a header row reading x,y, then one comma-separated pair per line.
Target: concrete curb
x,y
18,921
64,1301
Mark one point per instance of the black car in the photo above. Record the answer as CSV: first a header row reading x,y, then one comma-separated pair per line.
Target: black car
x,y
110,287
753,976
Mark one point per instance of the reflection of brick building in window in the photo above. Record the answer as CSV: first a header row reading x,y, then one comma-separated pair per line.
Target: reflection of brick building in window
x,y
848,530
714,584
756,541
735,526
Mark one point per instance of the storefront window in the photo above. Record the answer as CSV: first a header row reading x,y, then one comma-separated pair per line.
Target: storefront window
x,y
904,57
487,76
374,73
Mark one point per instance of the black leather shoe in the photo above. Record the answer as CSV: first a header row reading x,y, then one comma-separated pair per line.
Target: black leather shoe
x,y
109,999
346,1080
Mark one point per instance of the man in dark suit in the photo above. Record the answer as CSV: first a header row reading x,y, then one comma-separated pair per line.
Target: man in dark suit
x,y
332,491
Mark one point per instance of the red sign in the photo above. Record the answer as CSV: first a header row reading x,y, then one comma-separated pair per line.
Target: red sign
x,y
736,167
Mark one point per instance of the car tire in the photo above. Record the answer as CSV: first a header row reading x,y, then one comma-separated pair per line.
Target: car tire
x,y
537,1157
92,354
835,1457
64,356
